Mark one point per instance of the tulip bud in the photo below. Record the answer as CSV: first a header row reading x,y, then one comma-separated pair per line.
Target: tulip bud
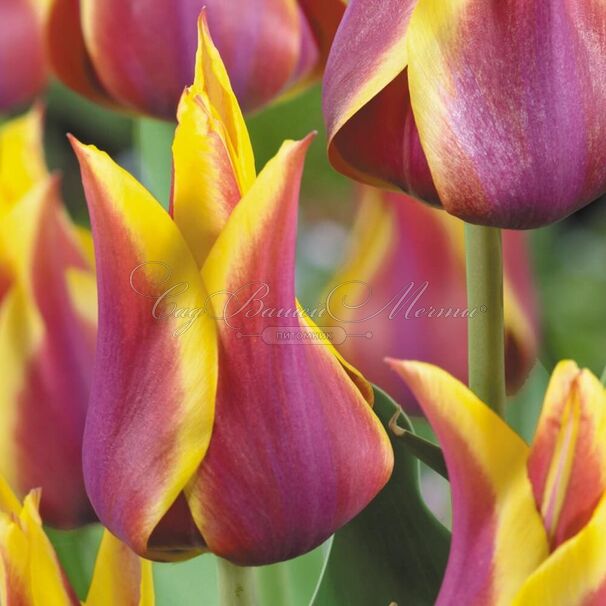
x,y
415,100
31,574
211,426
402,293
531,518
47,329
141,60
23,69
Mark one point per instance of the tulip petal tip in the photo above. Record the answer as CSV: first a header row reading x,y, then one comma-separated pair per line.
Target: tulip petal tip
x,y
402,367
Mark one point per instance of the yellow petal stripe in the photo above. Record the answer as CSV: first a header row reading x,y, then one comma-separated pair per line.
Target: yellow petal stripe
x,y
212,154
575,574
149,237
120,577
30,573
22,162
21,333
212,83
472,434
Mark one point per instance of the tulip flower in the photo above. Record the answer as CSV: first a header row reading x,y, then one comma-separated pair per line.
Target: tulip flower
x,y
205,430
30,572
47,329
401,293
22,51
499,116
528,522
141,57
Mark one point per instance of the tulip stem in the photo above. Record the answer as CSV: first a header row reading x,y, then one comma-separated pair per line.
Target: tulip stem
x,y
236,585
486,335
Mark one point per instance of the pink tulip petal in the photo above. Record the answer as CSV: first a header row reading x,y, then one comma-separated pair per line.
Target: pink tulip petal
x,y
510,102
280,475
567,461
47,346
68,54
144,54
152,403
22,55
372,133
493,506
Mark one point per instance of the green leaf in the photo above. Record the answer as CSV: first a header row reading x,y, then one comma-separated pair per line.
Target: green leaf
x,y
424,450
395,550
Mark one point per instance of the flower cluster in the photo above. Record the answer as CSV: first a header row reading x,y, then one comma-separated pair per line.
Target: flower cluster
x,y
161,379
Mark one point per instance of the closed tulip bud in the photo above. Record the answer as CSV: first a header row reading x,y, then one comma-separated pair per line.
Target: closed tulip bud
x,y
47,329
206,431
23,65
140,56
402,293
497,115
531,519
30,572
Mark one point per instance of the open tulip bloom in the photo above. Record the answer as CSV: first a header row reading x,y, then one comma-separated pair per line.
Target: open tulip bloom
x,y
528,522
496,113
31,575
205,432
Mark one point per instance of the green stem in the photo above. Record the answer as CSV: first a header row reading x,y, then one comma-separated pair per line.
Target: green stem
x,y
153,143
236,585
274,584
486,334
603,379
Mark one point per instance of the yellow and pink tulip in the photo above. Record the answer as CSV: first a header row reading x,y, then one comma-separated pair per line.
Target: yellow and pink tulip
x,y
401,293
47,329
528,521
140,56
31,574
498,114
23,61
203,432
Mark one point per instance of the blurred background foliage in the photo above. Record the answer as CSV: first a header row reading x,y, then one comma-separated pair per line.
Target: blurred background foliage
x,y
569,261
569,258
